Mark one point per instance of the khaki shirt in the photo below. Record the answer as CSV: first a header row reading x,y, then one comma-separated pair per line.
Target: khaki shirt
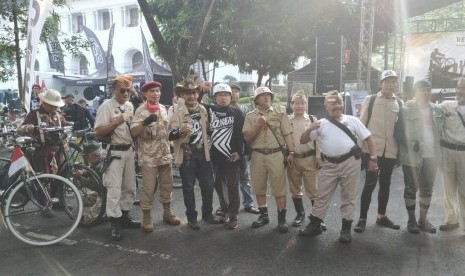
x,y
381,125
279,123
180,117
299,125
153,144
110,111
453,129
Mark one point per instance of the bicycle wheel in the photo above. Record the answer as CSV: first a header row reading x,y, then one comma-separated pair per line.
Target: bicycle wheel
x,y
93,194
40,222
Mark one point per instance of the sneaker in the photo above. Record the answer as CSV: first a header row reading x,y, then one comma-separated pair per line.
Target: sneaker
x,y
412,227
224,218
219,212
448,226
426,226
361,225
231,224
386,222
193,224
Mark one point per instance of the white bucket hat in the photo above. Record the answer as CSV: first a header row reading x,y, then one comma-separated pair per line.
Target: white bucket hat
x,y
52,97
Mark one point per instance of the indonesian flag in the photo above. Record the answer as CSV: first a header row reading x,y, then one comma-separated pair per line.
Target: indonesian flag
x,y
18,161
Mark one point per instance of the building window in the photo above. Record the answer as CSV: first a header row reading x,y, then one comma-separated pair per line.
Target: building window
x,y
133,20
83,69
77,22
104,20
137,60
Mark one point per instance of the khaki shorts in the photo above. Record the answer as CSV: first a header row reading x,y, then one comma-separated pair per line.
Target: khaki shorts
x,y
268,167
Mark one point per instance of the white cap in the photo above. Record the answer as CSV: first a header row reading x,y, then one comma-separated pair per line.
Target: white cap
x,y
221,87
388,74
261,90
52,97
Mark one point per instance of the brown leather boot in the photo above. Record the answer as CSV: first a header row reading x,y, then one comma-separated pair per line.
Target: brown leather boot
x,y
147,222
168,216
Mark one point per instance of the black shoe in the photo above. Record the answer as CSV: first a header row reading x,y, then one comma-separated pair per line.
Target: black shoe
x,y
346,232
361,225
299,220
219,212
426,226
323,226
224,218
312,229
252,210
412,226
208,217
115,233
448,226
262,220
193,224
127,222
386,222
282,224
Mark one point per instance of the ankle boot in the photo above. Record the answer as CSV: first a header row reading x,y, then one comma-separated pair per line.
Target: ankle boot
x,y
168,216
282,224
147,222
262,219
128,222
313,228
299,209
345,235
412,225
115,233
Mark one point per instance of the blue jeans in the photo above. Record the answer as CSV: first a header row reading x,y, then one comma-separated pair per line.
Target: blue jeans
x,y
197,168
247,199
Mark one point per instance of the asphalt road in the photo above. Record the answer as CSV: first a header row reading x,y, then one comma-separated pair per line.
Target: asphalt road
x,y
178,250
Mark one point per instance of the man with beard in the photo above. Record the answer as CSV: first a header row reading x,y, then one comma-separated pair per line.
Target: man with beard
x,y
189,127
341,165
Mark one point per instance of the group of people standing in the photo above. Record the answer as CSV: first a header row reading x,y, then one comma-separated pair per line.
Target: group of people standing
x,y
212,144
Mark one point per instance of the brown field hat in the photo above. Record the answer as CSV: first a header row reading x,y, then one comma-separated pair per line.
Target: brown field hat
x,y
191,83
125,81
52,97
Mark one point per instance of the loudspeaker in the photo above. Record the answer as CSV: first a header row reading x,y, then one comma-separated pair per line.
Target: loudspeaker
x,y
329,55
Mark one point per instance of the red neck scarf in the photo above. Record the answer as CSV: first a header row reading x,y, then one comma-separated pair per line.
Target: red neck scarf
x,y
152,107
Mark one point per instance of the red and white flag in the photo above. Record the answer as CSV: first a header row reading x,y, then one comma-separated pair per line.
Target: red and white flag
x,y
18,161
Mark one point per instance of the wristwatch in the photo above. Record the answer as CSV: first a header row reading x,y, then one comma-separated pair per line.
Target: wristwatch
x,y
374,158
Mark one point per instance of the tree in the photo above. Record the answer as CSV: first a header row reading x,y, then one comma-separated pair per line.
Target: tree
x,y
229,78
178,30
13,20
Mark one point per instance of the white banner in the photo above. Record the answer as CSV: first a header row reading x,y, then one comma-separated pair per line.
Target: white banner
x,y
38,11
356,100
438,57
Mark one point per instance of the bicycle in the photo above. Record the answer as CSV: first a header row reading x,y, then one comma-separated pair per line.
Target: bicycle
x,y
38,209
88,182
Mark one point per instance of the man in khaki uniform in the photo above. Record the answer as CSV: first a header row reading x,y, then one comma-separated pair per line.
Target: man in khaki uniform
x,y
150,124
381,125
263,127
453,158
307,158
113,118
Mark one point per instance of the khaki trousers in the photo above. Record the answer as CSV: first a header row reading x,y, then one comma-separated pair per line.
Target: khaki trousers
x,y
120,181
151,178
264,167
454,184
303,171
346,174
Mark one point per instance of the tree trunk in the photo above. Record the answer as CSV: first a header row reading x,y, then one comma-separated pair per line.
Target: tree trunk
x,y
259,80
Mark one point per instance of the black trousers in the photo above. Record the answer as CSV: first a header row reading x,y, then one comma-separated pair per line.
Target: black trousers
x,y
227,186
385,168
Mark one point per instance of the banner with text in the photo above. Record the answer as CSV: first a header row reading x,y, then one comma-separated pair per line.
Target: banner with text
x,y
97,50
55,53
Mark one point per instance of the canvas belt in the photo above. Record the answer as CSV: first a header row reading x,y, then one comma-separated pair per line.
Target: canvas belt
x,y
267,151
117,147
305,154
452,146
